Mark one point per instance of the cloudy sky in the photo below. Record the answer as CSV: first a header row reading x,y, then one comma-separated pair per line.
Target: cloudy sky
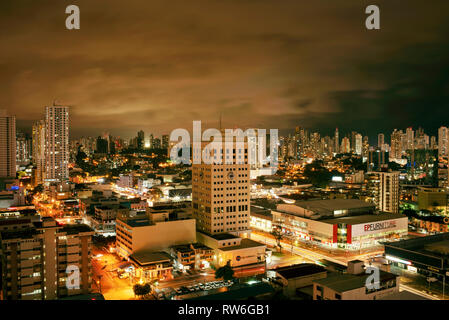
x,y
157,65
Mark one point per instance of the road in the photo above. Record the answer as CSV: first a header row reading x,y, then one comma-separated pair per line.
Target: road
x,y
315,256
112,287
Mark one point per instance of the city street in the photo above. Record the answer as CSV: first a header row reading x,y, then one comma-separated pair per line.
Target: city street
x,y
111,286
412,283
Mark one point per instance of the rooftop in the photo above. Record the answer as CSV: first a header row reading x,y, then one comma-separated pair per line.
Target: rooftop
x,y
299,270
75,228
366,218
435,246
346,282
223,236
149,257
261,212
244,244
333,204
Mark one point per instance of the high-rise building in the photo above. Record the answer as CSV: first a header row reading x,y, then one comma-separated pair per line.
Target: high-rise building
x,y
380,141
36,255
410,139
39,151
388,192
365,149
23,148
345,145
358,144
7,145
396,144
57,143
165,141
140,140
443,142
221,191
337,141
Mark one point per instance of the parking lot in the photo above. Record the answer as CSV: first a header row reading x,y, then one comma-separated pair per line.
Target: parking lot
x,y
169,293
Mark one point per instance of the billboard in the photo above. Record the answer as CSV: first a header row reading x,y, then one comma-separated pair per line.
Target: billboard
x,y
379,226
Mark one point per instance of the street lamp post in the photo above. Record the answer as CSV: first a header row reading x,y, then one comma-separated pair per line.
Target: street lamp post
x,y
99,282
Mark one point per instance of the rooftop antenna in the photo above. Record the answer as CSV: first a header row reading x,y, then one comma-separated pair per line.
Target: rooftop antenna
x,y
220,121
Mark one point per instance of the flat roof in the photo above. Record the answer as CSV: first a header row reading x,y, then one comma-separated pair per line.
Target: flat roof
x,y
137,222
261,212
299,270
365,218
333,204
149,257
430,246
244,244
223,236
346,282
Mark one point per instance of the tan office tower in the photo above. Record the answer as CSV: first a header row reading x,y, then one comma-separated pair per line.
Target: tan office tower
x,y
57,143
221,192
39,151
7,145
388,192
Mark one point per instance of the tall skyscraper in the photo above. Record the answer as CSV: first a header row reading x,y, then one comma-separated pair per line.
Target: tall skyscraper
x,y
358,144
345,145
7,145
221,192
57,143
380,141
410,139
39,151
396,144
443,142
140,140
337,141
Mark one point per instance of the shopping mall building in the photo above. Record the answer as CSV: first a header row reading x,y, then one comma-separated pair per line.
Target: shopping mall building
x,y
339,223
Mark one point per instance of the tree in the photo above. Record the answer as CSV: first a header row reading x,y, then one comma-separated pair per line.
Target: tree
x,y
225,272
278,236
138,290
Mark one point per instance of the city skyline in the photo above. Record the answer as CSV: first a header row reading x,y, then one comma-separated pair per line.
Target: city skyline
x,y
273,67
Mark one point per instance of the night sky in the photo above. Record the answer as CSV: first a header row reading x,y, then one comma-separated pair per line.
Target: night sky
x,y
158,65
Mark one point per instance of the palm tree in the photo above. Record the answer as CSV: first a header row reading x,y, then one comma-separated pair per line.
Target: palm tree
x,y
276,233
225,272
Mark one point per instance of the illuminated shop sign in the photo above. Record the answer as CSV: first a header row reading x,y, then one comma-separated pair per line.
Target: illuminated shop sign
x,y
379,225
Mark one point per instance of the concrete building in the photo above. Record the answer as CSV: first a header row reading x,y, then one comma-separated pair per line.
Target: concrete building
x,y
388,195
149,265
428,256
261,219
353,285
221,191
57,143
443,142
297,276
7,145
245,256
36,256
141,233
192,256
39,151
433,199
383,186
338,223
